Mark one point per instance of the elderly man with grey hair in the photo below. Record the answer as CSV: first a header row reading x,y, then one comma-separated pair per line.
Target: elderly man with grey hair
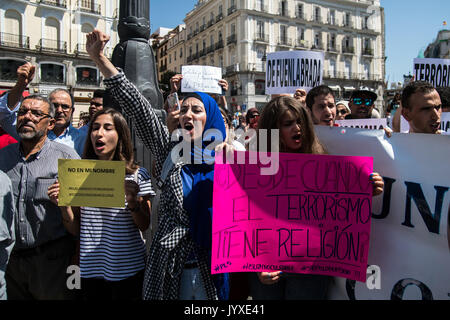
x,y
43,249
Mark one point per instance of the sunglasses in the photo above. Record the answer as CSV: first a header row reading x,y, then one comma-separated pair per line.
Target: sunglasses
x,y
97,104
65,107
254,115
359,101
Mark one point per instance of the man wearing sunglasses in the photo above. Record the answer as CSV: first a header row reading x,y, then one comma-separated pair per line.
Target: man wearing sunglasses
x,y
61,99
361,104
43,248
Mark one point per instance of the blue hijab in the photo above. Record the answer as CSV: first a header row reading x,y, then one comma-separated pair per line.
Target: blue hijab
x,y
198,181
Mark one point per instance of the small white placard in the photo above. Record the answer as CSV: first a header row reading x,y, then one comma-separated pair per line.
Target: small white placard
x,y
201,78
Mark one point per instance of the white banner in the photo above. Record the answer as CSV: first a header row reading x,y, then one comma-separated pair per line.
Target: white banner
x,y
287,71
409,239
372,124
435,71
201,78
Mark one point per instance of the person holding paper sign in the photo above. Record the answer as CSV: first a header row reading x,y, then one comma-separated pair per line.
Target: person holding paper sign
x,y
112,252
297,135
178,265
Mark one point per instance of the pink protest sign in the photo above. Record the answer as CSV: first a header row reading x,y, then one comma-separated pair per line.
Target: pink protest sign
x,y
312,216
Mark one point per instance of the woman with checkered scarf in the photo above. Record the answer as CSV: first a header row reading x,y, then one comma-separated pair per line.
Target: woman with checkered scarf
x,y
178,264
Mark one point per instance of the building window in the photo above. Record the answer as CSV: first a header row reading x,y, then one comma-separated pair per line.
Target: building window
x,y
317,14
87,76
260,87
52,73
13,22
300,11
332,17
347,19
8,69
300,34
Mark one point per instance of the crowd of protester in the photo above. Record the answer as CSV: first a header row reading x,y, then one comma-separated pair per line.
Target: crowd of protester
x,y
40,239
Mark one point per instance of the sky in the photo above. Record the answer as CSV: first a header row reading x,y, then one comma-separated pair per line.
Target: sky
x,y
410,26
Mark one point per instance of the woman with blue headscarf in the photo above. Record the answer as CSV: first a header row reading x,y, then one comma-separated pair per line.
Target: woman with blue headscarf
x,y
178,264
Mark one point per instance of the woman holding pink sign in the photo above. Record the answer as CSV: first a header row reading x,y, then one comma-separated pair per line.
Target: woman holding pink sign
x,y
296,131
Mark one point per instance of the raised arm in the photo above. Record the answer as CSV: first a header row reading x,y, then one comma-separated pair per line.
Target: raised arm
x,y
149,128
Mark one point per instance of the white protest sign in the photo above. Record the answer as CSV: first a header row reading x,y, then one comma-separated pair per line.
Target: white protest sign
x,y
445,122
435,71
287,71
372,124
409,239
201,78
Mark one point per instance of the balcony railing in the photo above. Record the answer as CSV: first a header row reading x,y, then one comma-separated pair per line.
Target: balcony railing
x,y
219,44
302,44
232,68
231,10
261,37
219,17
256,67
283,12
88,82
231,39
56,3
317,18
333,48
367,52
80,48
284,41
202,27
348,50
89,6
300,15
210,49
210,23
317,46
14,40
202,52
52,45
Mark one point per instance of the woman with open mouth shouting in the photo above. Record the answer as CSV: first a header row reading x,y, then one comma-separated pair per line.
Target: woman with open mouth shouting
x,y
296,132
178,264
112,251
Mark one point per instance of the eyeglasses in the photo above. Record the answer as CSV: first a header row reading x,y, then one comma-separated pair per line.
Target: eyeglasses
x,y
35,114
254,115
65,107
97,104
359,101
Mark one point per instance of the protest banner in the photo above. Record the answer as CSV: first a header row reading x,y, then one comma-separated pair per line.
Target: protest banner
x,y
201,78
435,71
372,124
91,183
312,216
409,238
287,71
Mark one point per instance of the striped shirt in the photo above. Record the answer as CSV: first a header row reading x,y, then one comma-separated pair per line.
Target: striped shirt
x,y
111,246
